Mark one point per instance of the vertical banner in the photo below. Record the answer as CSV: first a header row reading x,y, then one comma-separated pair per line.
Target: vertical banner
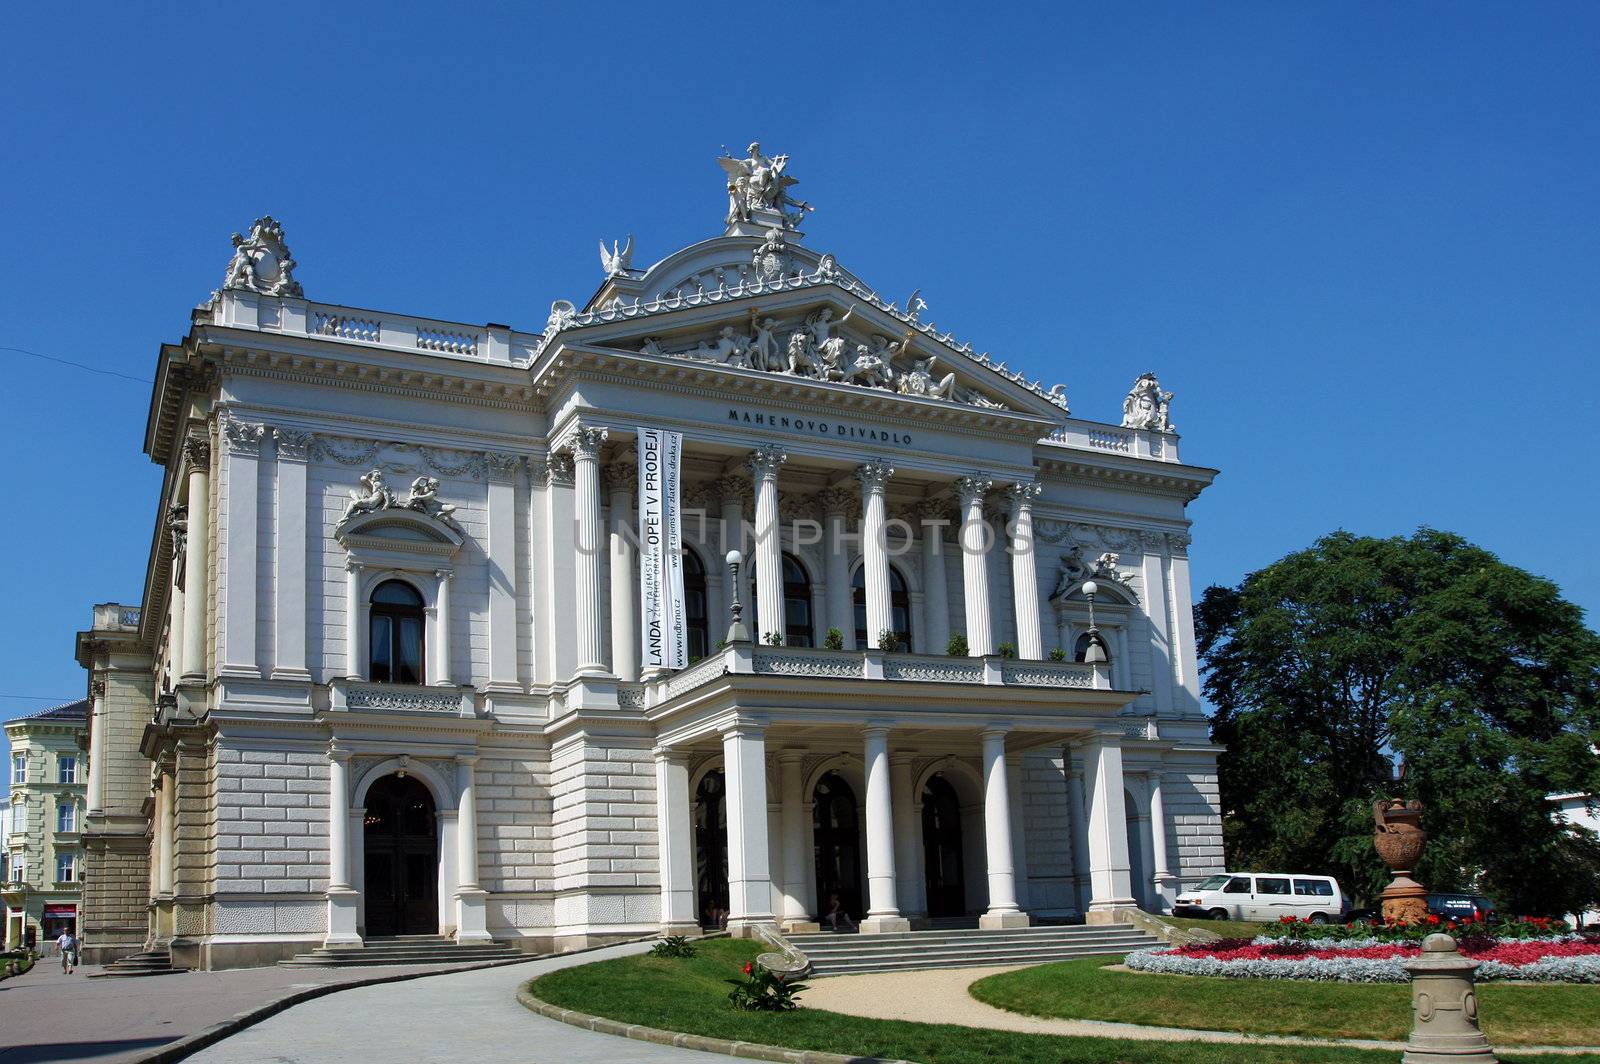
x,y
663,636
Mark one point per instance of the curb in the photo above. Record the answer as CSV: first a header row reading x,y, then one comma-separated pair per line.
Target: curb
x,y
641,1033
191,1044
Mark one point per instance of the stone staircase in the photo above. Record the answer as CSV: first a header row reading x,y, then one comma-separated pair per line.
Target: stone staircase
x,y
405,949
150,962
854,954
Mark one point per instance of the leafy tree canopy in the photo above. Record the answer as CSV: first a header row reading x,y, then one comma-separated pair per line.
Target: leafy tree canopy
x,y
1333,664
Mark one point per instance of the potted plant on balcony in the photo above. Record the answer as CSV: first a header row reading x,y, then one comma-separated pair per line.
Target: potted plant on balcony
x,y
958,646
834,640
888,642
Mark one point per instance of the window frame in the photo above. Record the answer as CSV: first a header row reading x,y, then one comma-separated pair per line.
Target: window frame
x,y
791,589
66,812
19,769
69,862
898,601
394,613
64,762
694,581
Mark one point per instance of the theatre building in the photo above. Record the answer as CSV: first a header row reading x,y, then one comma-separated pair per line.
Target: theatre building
x,y
418,654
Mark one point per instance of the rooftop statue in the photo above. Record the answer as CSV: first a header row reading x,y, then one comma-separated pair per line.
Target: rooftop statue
x,y
758,183
616,261
1147,406
261,261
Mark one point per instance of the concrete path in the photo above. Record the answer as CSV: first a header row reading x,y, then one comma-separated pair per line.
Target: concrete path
x,y
48,1016
470,1016
941,996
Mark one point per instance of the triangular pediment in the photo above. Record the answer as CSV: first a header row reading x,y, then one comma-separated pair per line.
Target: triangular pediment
x,y
748,305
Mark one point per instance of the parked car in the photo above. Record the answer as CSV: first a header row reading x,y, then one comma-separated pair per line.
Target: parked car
x,y
1461,906
1263,896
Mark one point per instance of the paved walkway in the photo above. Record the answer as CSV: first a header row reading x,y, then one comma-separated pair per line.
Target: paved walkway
x,y
941,996
471,1016
48,1016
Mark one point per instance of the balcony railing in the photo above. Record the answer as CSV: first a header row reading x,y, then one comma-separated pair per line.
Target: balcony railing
x,y
809,663
360,697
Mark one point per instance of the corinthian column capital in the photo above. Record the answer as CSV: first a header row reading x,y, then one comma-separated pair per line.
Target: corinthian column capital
x,y
972,488
764,462
873,475
586,442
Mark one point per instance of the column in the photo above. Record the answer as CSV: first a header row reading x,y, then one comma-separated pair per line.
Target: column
x,y
840,609
1186,692
586,498
910,887
744,755
935,597
974,564
1110,879
883,910
1080,831
355,658
796,842
1163,877
97,747
1153,598
197,451
471,898
442,633
622,483
1024,578
673,844
165,827
237,633
341,897
1019,835
500,550
1003,911
764,465
557,569
289,549
874,548
177,516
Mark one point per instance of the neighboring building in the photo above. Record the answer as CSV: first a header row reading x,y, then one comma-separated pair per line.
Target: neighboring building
x,y
44,826
1581,811
393,612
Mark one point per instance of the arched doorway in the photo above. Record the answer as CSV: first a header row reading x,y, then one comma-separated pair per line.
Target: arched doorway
x,y
945,868
836,831
401,858
711,849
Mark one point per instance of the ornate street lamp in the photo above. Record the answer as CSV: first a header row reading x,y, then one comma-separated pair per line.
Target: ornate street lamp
x,y
1095,653
737,633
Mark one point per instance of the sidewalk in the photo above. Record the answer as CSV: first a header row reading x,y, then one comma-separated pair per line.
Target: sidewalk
x,y
46,1015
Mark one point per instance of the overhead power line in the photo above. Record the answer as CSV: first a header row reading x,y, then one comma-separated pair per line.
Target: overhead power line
x,y
78,365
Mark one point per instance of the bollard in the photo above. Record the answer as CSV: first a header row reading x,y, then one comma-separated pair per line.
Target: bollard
x,y
1444,1007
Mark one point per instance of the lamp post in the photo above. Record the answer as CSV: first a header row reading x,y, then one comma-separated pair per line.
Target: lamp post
x,y
1095,652
737,633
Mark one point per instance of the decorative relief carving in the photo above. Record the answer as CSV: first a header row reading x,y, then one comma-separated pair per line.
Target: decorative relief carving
x,y
586,441
765,461
1076,569
813,663
375,494
97,689
874,475
497,465
293,444
731,488
630,696
695,675
1040,674
953,671
178,529
558,471
837,501
970,489
622,476
771,259
243,437
197,449
1147,406
1022,495
394,696
1178,543
261,261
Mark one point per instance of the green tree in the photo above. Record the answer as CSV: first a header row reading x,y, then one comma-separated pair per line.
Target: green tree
x,y
1335,665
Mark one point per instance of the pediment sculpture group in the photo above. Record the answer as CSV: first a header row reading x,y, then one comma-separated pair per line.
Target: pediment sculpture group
x,y
375,495
819,351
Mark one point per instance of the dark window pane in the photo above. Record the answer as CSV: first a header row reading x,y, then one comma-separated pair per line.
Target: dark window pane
x,y
408,654
381,644
396,593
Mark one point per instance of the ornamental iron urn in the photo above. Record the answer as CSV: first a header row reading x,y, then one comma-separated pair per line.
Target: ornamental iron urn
x,y
1399,841
1444,1007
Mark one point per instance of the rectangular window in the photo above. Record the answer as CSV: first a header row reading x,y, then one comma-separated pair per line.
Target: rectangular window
x,y
1313,888
1267,885
19,768
66,817
64,867
69,768
17,875
1237,885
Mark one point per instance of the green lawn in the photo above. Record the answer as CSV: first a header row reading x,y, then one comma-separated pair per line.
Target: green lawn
x,y
1220,928
1511,1014
690,995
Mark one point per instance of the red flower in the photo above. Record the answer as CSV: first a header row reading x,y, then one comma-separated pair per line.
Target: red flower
x,y
1286,920
1434,920
748,968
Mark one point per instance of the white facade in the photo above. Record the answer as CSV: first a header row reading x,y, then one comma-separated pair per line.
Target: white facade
x,y
565,796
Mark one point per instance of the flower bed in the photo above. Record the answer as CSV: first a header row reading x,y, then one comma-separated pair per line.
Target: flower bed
x,y
1565,959
1520,927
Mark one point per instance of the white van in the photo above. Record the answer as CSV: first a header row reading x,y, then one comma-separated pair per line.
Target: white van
x,y
1263,896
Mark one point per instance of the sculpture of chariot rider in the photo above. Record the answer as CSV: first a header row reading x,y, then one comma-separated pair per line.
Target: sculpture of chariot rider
x,y
758,183
873,366
1147,406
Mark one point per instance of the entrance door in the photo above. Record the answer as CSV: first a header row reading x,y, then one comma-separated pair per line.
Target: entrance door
x,y
941,845
401,859
711,849
836,828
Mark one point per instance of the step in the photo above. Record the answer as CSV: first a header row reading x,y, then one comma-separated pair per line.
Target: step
x,y
910,962
889,942
410,951
982,951
1064,931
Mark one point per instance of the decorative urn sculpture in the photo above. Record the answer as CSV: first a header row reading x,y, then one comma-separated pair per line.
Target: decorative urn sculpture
x,y
1399,841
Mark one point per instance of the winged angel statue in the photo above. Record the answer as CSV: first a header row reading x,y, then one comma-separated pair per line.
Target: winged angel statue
x,y
758,183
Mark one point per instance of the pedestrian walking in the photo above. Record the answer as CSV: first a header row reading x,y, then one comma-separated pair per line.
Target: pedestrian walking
x,y
67,943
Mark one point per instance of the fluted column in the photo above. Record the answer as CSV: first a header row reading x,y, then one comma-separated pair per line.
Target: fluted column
x,y
165,826
910,889
1024,578
622,483
197,451
1080,831
585,447
975,564
442,634
1110,878
1003,910
674,843
354,631
1162,878
97,746
935,597
841,612
796,841
883,909
744,756
341,897
471,908
875,548
764,465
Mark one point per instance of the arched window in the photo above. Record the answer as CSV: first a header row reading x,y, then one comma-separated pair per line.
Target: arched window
x,y
899,609
394,645
695,613
1080,652
798,630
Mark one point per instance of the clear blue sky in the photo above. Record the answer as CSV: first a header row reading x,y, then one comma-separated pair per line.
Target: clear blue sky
x,y
1360,242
